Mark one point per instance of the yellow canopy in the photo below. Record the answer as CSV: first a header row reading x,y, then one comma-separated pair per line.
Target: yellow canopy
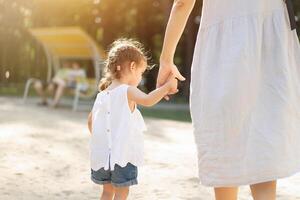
x,y
70,43
67,42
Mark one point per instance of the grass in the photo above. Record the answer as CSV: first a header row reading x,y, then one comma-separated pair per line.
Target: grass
x,y
15,89
177,115
161,113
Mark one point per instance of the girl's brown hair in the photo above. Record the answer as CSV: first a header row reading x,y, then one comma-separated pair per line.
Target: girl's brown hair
x,y
122,52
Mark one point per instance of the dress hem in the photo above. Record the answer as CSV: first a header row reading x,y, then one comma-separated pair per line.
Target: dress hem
x,y
258,180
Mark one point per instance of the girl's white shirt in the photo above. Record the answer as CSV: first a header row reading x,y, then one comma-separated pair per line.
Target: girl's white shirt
x,y
117,133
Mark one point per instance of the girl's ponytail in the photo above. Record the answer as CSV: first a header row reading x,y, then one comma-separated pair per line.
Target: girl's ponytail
x,y
104,83
106,80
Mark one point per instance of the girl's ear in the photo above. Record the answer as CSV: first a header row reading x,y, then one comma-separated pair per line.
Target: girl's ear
x,y
132,65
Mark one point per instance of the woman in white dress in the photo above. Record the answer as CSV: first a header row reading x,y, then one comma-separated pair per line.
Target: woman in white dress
x,y
245,92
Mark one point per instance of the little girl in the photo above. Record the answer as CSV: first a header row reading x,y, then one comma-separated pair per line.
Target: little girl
x,y
115,122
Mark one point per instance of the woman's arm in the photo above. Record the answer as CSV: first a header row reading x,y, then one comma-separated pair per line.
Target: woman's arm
x,y
90,122
136,95
177,21
178,18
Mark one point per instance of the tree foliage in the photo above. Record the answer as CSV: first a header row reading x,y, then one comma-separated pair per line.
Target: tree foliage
x,y
104,20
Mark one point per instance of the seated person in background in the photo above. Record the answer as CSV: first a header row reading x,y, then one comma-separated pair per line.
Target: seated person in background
x,y
44,88
65,77
69,78
77,75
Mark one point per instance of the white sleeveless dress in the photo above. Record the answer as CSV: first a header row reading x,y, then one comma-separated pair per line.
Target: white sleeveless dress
x,y
117,132
245,93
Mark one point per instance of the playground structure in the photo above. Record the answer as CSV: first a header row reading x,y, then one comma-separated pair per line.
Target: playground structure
x,y
68,43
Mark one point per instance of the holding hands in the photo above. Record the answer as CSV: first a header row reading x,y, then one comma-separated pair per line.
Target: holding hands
x,y
168,74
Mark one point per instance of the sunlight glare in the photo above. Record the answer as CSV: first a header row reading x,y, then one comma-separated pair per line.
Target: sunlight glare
x,y
7,74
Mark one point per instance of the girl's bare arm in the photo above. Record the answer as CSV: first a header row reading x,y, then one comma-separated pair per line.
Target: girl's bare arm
x,y
136,95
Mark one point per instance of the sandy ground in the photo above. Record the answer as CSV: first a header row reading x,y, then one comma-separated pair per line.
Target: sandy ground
x,y
44,155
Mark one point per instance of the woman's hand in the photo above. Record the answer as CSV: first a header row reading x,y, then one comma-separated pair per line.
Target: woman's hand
x,y
166,70
180,12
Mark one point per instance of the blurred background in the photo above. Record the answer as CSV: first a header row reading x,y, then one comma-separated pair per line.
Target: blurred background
x,y
22,56
44,151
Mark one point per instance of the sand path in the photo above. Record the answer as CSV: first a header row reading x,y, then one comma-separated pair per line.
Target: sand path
x,y
44,155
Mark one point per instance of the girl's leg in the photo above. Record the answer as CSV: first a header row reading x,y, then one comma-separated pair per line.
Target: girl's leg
x,y
264,191
226,193
121,193
108,192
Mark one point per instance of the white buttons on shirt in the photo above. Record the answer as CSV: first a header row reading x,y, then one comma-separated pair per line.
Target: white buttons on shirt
x,y
107,109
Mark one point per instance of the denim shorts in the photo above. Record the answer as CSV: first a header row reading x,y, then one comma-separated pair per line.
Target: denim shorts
x,y
119,177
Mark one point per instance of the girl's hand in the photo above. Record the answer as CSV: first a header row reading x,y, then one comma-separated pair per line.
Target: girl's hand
x,y
166,70
172,84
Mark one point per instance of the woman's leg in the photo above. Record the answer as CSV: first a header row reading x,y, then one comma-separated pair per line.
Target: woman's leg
x,y
121,193
226,193
264,191
108,192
